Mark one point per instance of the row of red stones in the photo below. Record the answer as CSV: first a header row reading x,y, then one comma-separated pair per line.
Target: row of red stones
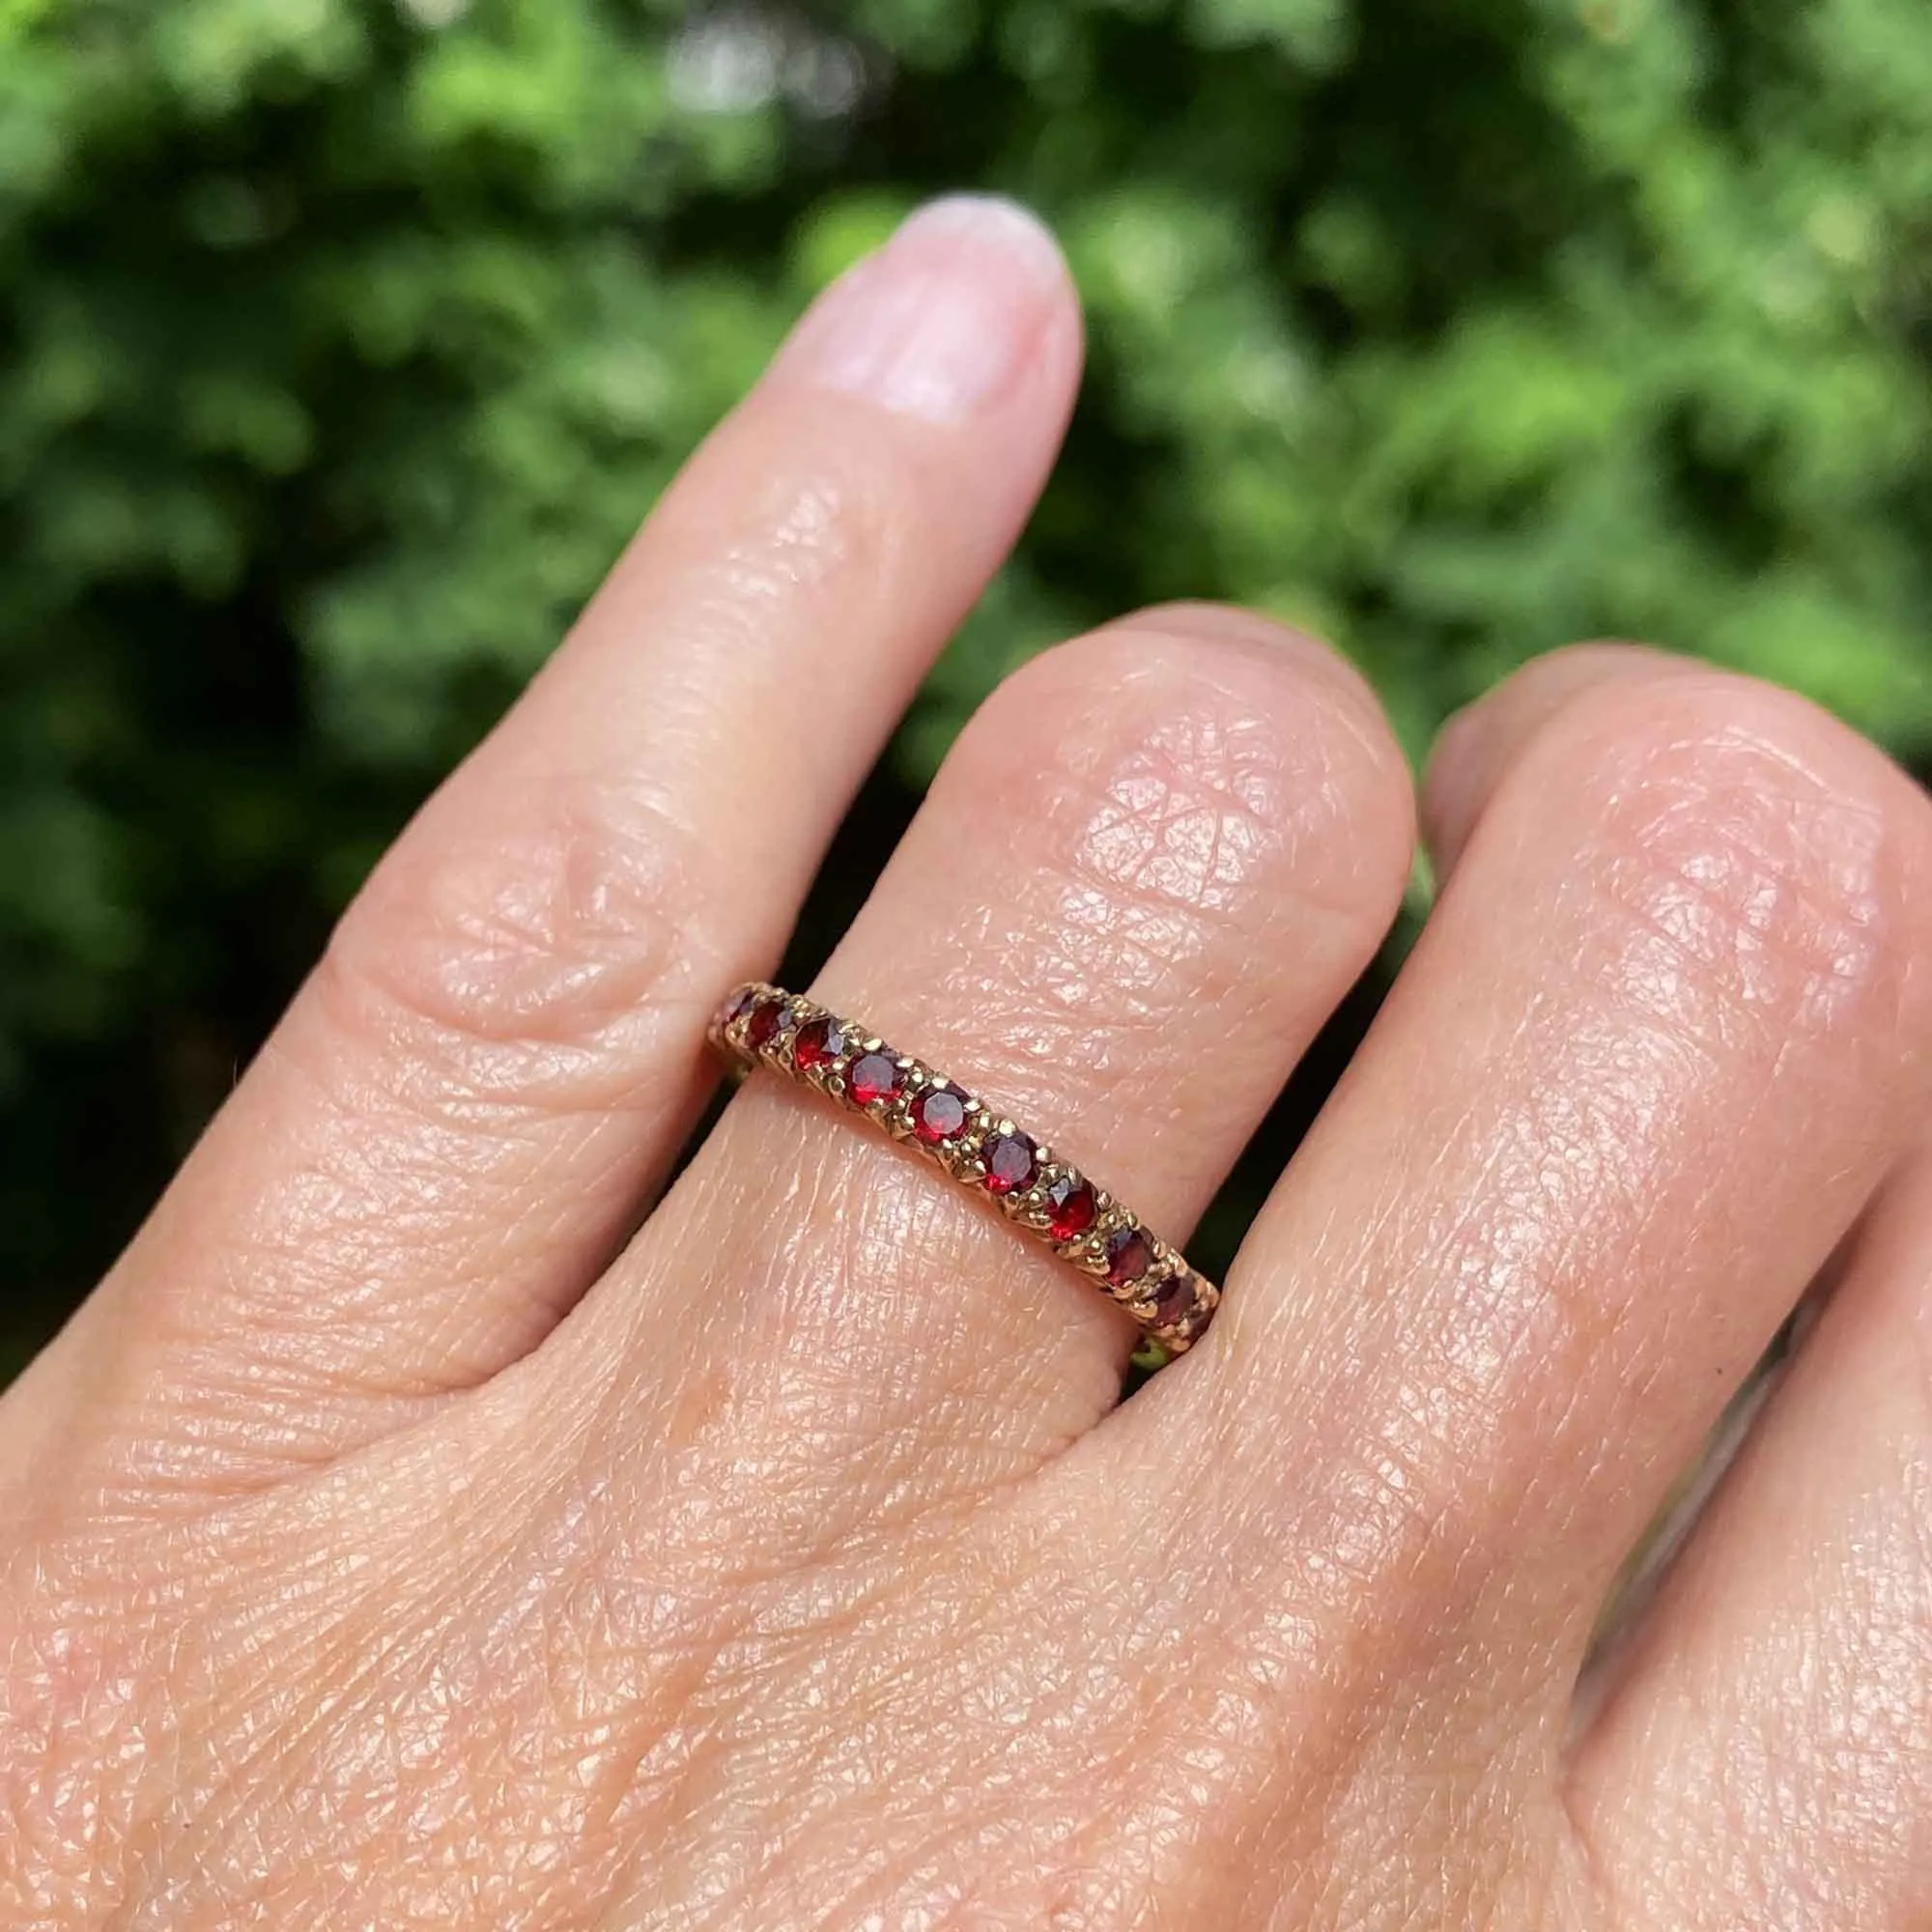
x,y
940,1116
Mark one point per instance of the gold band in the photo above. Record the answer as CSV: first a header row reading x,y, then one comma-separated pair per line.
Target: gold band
x,y
977,1146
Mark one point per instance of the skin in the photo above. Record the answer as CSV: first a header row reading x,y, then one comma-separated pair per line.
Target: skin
x,y
414,1531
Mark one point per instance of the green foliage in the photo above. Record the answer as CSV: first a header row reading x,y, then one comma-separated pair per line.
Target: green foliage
x,y
344,340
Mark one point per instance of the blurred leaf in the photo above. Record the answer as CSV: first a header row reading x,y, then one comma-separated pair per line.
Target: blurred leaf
x,y
346,341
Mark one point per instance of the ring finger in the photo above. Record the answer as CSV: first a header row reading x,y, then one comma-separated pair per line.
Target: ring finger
x,y
1154,863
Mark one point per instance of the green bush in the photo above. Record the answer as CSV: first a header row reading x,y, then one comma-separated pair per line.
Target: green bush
x,y
343,341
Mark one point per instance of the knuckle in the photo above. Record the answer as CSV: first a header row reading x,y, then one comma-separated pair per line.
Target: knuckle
x,y
1149,819
1751,850
1206,785
821,525
1319,671
517,951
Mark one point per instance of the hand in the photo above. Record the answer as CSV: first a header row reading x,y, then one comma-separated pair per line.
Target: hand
x,y
391,1542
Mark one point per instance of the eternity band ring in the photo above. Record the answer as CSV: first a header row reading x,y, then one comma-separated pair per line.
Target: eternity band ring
x,y
978,1147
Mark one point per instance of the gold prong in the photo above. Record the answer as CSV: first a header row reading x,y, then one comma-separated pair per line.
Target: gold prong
x,y
1056,1205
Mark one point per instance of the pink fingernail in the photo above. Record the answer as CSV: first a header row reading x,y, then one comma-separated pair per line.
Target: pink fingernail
x,y
939,323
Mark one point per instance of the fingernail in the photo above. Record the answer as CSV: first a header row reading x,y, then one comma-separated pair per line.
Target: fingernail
x,y
940,323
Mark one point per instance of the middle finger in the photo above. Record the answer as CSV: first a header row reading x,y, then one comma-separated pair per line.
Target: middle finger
x,y
452,1130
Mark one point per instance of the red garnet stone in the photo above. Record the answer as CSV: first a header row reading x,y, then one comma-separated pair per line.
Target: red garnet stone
x,y
875,1076
939,1114
1070,1207
1012,1162
742,1003
1174,1300
1129,1256
767,1017
819,1043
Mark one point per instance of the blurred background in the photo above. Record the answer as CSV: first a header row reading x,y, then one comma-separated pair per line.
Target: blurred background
x,y
343,342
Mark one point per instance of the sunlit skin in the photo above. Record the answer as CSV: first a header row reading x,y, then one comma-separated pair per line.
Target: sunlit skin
x,y
404,1536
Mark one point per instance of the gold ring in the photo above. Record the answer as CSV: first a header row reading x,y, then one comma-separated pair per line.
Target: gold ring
x,y
980,1148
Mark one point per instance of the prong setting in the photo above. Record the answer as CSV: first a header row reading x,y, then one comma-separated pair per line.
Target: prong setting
x,y
978,1146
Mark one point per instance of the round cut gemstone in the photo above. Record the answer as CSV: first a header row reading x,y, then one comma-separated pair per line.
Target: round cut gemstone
x,y
819,1043
875,1076
939,1114
768,1016
1174,1300
1070,1208
1012,1162
1129,1256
